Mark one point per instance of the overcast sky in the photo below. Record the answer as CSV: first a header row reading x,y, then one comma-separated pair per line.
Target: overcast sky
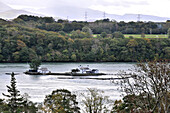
x,y
149,7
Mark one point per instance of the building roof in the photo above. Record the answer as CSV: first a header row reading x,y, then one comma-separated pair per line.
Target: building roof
x,y
43,69
84,68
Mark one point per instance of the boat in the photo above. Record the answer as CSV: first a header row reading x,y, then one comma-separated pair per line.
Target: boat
x,y
80,71
85,71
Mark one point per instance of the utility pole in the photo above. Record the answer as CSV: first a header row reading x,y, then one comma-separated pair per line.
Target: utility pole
x,y
85,16
104,15
139,17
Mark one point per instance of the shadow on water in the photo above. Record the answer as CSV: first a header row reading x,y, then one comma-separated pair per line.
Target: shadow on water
x,y
36,77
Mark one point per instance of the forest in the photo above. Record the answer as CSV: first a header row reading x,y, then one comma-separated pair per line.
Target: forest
x,y
27,37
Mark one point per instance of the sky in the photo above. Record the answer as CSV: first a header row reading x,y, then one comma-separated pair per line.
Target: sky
x,y
120,7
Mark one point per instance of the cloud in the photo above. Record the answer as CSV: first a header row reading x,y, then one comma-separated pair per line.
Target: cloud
x,y
78,3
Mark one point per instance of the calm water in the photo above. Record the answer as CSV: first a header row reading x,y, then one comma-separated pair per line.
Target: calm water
x,y
39,86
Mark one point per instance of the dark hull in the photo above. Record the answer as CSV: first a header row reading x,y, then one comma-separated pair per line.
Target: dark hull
x,y
70,74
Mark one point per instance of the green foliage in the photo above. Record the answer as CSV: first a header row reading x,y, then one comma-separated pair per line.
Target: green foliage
x,y
118,35
87,30
98,26
21,41
130,104
169,33
73,57
103,34
28,106
143,35
61,101
131,37
146,88
4,108
36,18
95,102
35,63
51,27
15,101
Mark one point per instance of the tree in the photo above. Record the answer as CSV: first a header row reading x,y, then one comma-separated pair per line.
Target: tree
x,y
118,35
4,108
132,45
95,102
35,63
148,85
28,106
73,57
61,101
15,101
103,34
169,33
51,27
87,30
143,33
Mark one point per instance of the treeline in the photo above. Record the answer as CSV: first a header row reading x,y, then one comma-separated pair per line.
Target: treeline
x,y
99,26
20,43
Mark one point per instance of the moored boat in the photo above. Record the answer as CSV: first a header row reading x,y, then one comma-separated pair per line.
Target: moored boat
x,y
80,71
85,71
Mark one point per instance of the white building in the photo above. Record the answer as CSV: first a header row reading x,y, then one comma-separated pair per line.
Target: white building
x,y
43,70
86,70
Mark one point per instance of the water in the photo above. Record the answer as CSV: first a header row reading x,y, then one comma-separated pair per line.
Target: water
x,y
40,85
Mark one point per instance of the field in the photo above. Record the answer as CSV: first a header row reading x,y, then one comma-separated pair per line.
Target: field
x,y
139,35
146,36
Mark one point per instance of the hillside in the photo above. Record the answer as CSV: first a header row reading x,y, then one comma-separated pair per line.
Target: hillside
x,y
10,14
77,13
6,12
28,37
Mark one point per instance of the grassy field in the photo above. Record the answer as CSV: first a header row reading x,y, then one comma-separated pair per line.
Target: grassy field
x,y
146,36
139,36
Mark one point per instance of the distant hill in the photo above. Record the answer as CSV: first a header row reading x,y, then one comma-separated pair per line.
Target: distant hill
x,y
75,13
10,14
7,12
133,17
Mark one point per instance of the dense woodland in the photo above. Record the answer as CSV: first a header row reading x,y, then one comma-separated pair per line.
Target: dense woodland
x,y
26,37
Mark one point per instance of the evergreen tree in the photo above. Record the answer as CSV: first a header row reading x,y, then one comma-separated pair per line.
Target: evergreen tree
x,y
15,101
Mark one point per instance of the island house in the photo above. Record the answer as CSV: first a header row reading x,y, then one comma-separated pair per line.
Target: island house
x,y
85,70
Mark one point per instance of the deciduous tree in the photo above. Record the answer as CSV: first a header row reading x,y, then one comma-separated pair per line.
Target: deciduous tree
x,y
61,101
95,102
169,33
149,86
35,63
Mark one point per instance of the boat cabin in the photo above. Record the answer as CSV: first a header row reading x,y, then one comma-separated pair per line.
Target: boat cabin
x,y
84,70
43,70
